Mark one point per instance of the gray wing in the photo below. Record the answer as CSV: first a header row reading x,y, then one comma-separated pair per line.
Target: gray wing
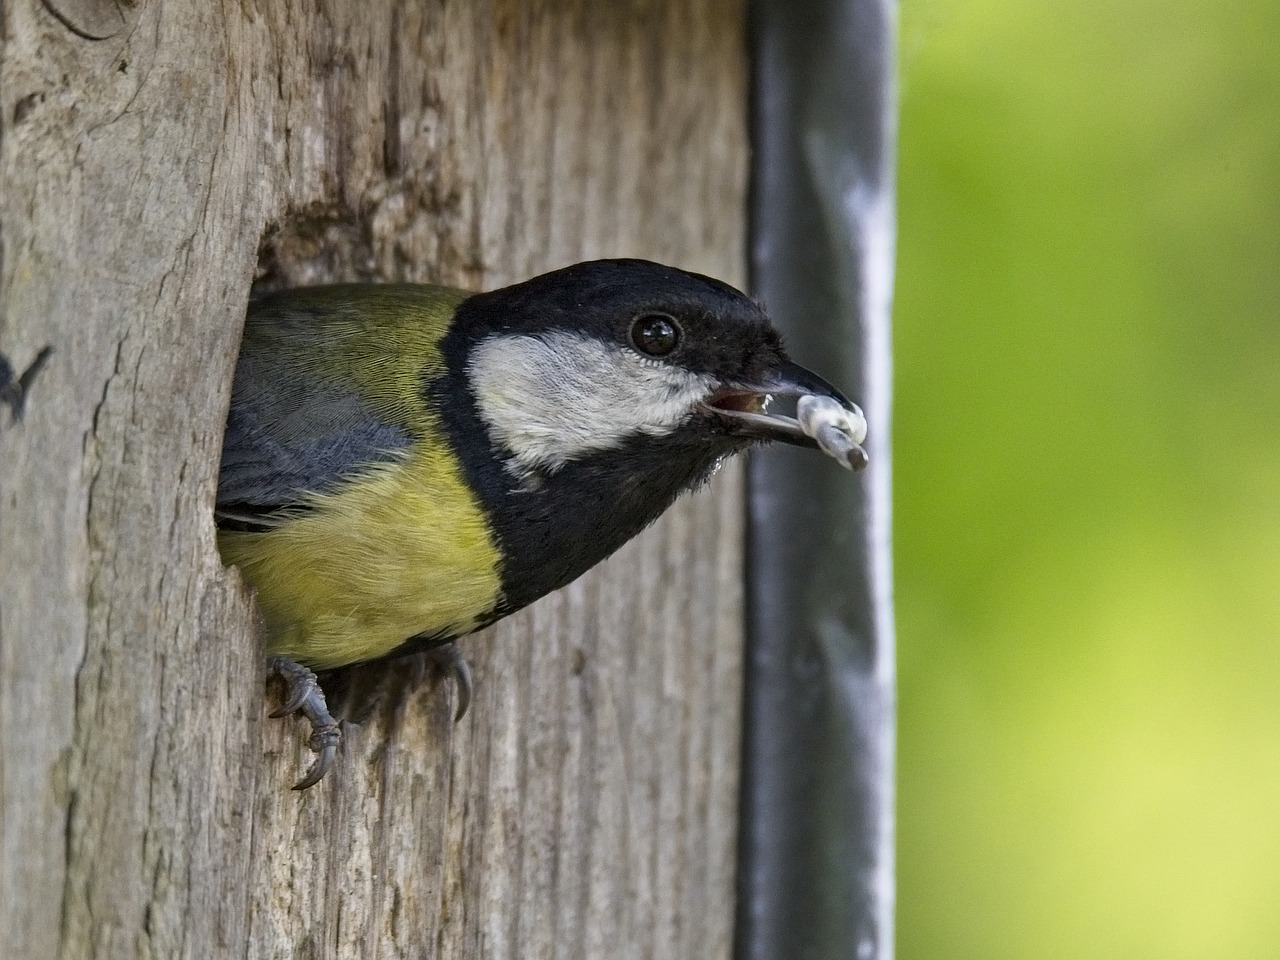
x,y
290,431
266,468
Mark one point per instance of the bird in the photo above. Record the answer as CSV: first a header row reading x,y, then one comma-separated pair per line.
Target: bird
x,y
405,464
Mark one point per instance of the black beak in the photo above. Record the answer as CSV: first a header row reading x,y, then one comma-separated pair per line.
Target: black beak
x,y
741,410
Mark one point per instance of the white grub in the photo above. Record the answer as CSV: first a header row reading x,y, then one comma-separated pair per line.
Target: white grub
x,y
838,431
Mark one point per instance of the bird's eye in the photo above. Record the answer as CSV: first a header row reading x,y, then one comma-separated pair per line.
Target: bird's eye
x,y
655,334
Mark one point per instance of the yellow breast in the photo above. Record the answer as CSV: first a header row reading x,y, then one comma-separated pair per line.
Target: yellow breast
x,y
402,550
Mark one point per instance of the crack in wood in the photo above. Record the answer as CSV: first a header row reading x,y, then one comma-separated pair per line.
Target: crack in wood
x,y
92,20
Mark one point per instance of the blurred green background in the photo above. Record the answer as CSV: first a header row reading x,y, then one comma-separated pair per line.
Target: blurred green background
x,y
1087,470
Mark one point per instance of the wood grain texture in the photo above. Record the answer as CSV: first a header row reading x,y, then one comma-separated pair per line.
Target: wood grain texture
x,y
586,806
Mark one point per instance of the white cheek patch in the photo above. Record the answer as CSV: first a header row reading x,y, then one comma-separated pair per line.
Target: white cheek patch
x,y
554,397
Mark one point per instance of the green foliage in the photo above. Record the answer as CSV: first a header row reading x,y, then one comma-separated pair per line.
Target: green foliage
x,y
1087,463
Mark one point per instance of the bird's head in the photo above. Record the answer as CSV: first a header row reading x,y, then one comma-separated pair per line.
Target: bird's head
x,y
591,357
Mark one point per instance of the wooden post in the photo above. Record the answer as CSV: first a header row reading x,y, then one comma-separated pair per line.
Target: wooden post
x,y
153,157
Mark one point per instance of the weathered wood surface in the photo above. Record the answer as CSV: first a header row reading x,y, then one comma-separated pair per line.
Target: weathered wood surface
x,y
585,808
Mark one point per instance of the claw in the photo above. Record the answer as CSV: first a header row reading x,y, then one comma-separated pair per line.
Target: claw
x,y
305,695
300,688
448,658
325,744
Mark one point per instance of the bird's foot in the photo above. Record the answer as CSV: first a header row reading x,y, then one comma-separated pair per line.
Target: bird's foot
x,y
303,693
450,660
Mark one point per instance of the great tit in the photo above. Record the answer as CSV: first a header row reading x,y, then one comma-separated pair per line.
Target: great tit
x,y
405,464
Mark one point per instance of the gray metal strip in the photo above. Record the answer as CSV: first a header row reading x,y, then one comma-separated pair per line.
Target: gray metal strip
x,y
816,847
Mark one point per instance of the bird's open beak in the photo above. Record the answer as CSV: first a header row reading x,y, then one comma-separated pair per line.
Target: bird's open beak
x,y
837,427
